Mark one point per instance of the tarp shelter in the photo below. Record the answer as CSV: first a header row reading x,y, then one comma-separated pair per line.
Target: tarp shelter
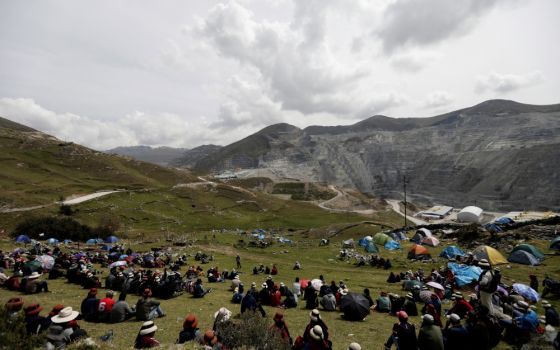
x,y
431,241
493,256
52,241
555,244
418,252
522,257
531,249
464,274
392,245
349,243
112,239
504,220
371,248
451,252
470,214
381,238
526,292
354,306
420,234
23,239
363,242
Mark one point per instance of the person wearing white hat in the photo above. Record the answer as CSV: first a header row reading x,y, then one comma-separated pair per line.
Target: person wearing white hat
x,y
64,329
145,338
34,285
454,334
429,335
222,315
551,314
316,339
486,285
316,321
354,346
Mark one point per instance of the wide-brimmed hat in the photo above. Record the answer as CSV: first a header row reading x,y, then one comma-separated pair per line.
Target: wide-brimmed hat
x,y
484,262
34,275
253,285
14,304
454,318
224,314
191,321
209,336
473,296
316,332
428,318
148,327
409,295
354,346
522,305
314,315
546,305
344,291
32,309
65,315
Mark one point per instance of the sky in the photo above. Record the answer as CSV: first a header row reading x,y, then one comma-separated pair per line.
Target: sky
x,y
184,73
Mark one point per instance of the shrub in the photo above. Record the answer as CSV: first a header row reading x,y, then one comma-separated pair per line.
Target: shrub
x,y
59,228
13,334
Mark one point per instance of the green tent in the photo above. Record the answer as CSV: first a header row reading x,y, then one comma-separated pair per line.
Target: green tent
x,y
381,238
531,249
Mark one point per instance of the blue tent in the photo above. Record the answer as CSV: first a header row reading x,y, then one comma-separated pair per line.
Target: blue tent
x,y
493,227
464,274
371,247
66,241
52,241
363,242
106,247
23,239
555,243
504,220
392,245
112,239
523,257
91,241
451,252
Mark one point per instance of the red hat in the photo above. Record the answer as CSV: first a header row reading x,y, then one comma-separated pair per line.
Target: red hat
x,y
209,336
93,291
147,292
56,309
14,304
278,316
32,309
190,321
403,316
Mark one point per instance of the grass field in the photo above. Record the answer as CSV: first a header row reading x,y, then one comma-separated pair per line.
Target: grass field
x,y
316,260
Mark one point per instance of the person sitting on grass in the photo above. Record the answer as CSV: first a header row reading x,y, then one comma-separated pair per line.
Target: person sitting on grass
x,y
89,306
382,303
145,338
14,306
34,323
121,311
190,330
148,308
105,306
290,299
315,320
281,328
409,305
404,334
64,329
199,290
35,285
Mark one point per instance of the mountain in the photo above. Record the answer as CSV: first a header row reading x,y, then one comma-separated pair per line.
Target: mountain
x,y
498,154
38,168
157,155
190,157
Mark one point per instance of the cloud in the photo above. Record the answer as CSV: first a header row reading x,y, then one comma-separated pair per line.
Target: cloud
x,y
422,22
503,83
137,128
437,99
413,61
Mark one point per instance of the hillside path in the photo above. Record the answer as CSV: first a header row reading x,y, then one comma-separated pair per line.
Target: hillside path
x,y
396,207
72,201
339,195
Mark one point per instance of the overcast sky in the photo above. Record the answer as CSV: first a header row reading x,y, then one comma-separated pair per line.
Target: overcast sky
x,y
185,73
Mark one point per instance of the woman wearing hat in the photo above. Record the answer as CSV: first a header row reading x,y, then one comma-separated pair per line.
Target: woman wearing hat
x,y
315,320
13,306
316,339
190,329
145,338
404,334
34,323
64,328
281,328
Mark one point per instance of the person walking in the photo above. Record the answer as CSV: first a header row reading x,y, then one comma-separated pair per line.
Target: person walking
x,y
238,261
487,285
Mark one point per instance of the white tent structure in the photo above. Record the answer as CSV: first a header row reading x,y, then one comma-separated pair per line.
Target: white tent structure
x,y
470,214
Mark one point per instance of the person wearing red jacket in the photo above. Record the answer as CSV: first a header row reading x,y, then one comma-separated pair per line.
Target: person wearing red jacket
x,y
461,306
105,306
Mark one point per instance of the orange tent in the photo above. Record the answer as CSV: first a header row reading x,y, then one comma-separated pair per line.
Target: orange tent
x,y
418,252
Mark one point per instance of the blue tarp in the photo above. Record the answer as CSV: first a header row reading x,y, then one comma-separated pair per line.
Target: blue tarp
x,y
363,242
112,239
451,252
23,239
464,274
371,247
504,221
392,245
493,228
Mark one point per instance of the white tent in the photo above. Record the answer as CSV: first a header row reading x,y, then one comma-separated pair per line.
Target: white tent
x,y
470,214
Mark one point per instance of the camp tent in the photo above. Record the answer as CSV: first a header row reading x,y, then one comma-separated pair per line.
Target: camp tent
x,y
420,234
381,238
431,241
531,249
398,236
470,214
504,220
464,274
451,252
493,256
112,239
52,241
392,245
371,248
106,247
23,239
555,244
523,257
93,241
418,252
349,243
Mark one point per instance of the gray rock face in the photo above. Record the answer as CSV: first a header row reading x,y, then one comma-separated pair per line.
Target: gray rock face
x,y
498,155
157,155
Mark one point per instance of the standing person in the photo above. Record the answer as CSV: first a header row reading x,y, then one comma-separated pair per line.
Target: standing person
x,y
190,330
89,306
238,261
296,288
534,282
487,285
145,338
281,328
429,336
147,308
404,334
121,311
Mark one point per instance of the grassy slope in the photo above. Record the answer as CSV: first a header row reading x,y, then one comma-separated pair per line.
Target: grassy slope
x,y
316,260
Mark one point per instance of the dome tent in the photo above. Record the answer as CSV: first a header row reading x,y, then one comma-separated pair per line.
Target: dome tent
x,y
381,238
451,252
420,234
493,256
531,249
555,243
470,214
430,241
112,239
371,248
418,252
523,257
23,239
